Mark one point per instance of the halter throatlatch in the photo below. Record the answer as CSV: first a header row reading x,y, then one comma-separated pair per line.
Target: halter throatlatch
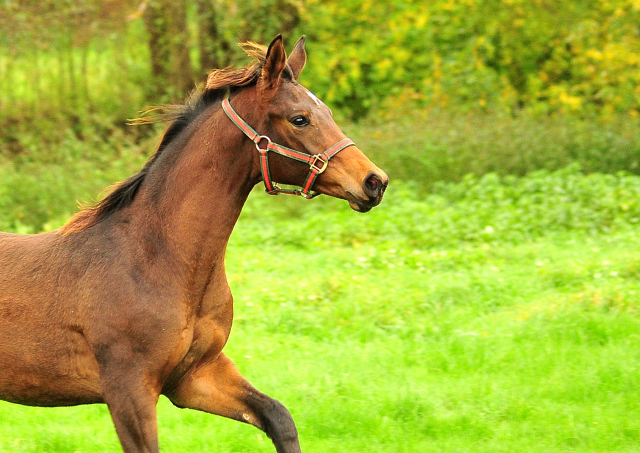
x,y
317,162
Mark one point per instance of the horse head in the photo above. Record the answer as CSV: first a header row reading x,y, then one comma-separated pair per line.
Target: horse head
x,y
310,149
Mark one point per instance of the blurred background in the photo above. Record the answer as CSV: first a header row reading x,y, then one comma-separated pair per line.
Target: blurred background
x,y
435,90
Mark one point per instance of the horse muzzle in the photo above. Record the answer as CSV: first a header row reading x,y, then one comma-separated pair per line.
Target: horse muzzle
x,y
373,188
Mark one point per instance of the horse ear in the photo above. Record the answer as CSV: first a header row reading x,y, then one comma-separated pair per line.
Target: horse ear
x,y
298,58
274,64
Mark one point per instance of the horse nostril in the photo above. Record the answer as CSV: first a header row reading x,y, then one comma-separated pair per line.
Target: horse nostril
x,y
372,183
373,186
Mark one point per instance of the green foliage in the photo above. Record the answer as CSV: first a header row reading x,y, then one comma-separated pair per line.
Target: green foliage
x,y
476,210
506,86
446,145
37,188
484,210
577,57
257,20
572,56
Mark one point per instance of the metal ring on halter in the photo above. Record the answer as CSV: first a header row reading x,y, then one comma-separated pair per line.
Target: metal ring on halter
x,y
318,158
259,139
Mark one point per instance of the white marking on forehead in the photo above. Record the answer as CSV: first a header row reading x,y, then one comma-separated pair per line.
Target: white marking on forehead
x,y
314,97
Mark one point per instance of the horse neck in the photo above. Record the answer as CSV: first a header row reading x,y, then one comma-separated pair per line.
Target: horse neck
x,y
195,193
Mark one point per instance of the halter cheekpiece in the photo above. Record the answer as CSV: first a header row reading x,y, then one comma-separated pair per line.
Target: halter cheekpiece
x,y
317,162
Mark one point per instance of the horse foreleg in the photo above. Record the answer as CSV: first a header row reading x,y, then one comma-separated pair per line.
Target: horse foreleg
x,y
132,404
136,425
217,387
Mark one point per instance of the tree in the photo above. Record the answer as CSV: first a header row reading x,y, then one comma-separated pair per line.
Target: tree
x,y
166,23
223,23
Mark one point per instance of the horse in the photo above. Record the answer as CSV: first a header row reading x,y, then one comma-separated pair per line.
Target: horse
x,y
129,300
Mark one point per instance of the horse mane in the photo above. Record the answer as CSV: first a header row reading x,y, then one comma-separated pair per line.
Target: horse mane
x,y
220,84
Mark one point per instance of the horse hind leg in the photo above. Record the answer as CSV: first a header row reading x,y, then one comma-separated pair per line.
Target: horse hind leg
x,y
218,388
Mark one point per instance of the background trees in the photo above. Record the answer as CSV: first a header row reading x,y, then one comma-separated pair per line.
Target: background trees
x,y
470,86
548,56
575,56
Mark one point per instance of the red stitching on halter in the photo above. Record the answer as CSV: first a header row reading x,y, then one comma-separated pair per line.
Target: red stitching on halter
x,y
317,162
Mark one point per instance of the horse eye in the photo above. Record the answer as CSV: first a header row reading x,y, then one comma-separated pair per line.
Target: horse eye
x,y
300,121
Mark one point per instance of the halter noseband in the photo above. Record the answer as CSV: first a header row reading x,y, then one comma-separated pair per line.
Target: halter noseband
x,y
317,162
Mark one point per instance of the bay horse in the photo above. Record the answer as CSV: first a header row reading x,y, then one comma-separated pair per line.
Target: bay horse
x,y
129,300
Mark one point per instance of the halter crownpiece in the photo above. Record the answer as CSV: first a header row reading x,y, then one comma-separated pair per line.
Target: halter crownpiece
x,y
317,162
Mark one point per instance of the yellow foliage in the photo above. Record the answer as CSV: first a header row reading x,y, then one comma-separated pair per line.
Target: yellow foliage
x,y
544,56
572,102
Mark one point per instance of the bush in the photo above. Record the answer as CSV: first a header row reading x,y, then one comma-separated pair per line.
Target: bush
x,y
37,188
434,146
476,210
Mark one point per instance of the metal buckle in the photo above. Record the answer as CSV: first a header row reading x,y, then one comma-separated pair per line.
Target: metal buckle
x,y
316,158
276,190
259,139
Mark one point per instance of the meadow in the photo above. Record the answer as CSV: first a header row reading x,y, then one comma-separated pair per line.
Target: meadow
x,y
496,314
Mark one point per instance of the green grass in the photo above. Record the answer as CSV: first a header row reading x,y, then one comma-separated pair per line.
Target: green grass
x,y
524,340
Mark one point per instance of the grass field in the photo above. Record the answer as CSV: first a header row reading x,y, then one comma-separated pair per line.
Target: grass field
x,y
512,339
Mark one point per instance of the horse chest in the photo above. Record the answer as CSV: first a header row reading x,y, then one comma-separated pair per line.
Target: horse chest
x,y
204,339
209,338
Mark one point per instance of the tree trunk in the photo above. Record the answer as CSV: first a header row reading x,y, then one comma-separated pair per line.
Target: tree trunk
x,y
166,23
215,52
263,22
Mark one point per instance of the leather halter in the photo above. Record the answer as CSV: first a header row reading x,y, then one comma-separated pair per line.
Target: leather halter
x,y
317,162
